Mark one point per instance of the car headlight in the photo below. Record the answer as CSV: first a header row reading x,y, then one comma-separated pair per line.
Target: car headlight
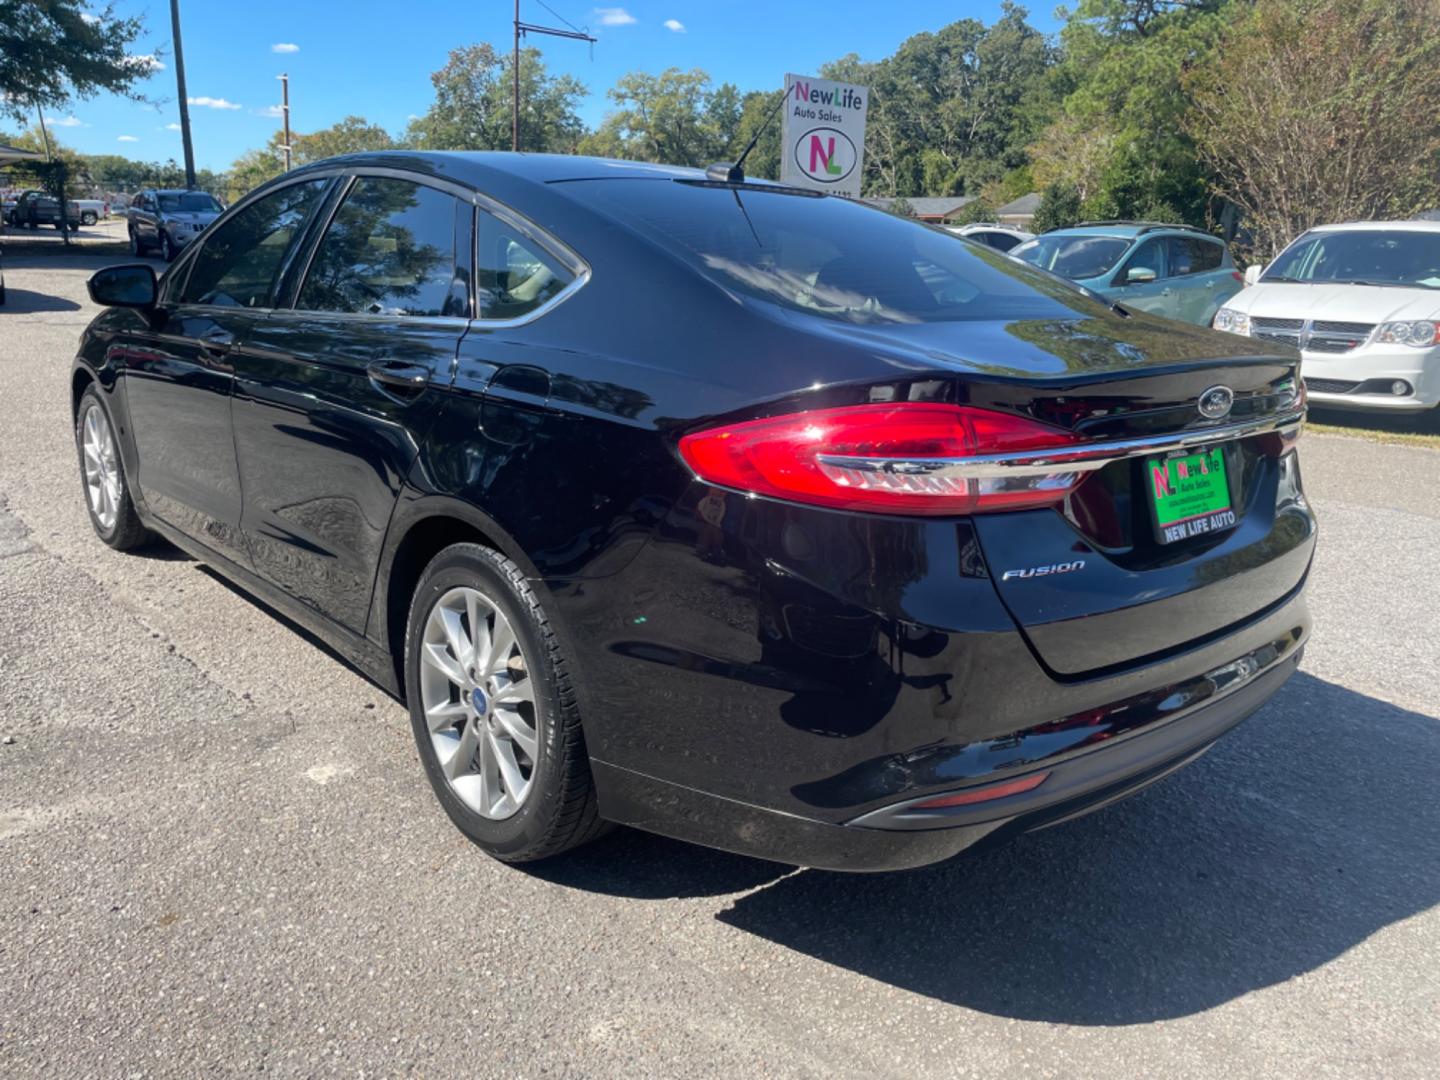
x,y
1421,334
1236,322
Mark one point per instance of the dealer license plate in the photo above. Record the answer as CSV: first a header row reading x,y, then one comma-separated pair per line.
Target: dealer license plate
x,y
1190,495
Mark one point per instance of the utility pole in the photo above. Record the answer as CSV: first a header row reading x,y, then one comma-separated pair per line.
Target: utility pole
x,y
285,112
521,29
44,135
180,90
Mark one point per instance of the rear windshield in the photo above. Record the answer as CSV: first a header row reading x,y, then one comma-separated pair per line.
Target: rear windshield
x,y
1074,257
830,256
1369,257
195,202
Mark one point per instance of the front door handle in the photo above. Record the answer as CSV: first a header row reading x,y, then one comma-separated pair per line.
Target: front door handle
x,y
217,339
399,375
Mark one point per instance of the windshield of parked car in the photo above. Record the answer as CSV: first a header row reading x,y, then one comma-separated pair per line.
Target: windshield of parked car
x,y
831,257
191,202
1362,257
1072,256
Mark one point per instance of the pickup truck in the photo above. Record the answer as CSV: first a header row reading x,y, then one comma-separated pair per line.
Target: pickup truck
x,y
36,208
91,210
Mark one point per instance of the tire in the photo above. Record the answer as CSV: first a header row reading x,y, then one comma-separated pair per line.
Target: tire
x,y
88,218
121,526
167,247
558,809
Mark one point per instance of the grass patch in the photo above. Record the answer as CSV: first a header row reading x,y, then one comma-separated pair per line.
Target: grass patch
x,y
1426,439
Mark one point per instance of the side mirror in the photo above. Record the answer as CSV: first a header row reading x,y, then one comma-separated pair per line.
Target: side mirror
x,y
1253,272
131,285
1139,275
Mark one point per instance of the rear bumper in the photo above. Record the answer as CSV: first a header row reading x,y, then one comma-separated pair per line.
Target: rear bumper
x,y
1180,722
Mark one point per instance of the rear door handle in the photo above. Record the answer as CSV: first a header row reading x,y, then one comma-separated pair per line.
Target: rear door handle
x,y
399,375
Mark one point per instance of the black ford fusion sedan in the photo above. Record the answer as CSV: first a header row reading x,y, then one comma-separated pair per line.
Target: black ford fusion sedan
x,y
733,512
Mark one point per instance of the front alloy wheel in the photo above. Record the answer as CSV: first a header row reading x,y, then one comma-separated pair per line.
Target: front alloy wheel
x,y
102,473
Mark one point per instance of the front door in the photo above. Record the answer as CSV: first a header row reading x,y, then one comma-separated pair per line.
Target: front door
x,y
335,395
178,375
1141,282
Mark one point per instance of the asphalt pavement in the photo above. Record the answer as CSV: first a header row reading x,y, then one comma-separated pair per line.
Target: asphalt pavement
x,y
218,853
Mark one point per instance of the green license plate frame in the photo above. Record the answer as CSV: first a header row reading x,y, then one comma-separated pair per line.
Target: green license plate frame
x,y
1189,494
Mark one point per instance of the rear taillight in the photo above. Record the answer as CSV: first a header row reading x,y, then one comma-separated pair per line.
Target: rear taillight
x,y
898,459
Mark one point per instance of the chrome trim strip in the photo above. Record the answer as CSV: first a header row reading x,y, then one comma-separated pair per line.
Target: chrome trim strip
x,y
1070,459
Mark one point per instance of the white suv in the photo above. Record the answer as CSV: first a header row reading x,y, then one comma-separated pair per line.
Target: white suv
x,y
1362,303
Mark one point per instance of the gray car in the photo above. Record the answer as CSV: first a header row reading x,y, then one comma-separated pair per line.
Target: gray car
x,y
168,220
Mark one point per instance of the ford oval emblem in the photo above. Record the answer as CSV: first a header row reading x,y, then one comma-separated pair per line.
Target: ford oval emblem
x,y
1215,403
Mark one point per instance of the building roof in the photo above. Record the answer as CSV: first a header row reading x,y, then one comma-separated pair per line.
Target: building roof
x,y
1025,204
926,206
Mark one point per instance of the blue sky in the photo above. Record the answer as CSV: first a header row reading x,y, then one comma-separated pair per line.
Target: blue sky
x,y
374,59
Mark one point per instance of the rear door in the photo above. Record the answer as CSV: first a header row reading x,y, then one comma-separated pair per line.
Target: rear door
x,y
1155,296
337,393
178,374
1200,282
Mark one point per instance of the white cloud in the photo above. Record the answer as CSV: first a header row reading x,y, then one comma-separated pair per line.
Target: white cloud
x,y
67,121
285,47
274,112
614,16
675,26
213,102
146,62
127,138
91,19
171,127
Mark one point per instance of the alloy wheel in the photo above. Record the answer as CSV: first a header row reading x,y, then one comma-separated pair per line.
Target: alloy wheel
x,y
102,470
479,703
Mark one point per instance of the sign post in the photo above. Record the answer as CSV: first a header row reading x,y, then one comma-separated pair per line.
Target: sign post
x,y
823,135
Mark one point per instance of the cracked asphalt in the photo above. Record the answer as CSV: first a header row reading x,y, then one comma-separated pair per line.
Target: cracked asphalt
x,y
218,854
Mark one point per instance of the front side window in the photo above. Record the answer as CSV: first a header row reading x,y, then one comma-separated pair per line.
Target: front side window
x,y
1148,257
1074,257
515,276
241,259
1362,256
390,250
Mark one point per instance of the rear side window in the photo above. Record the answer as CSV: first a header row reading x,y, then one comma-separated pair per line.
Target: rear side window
x,y
998,240
514,275
238,265
1191,255
390,250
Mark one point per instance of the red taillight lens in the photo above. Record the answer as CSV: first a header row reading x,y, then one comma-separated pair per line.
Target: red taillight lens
x,y
984,794
905,459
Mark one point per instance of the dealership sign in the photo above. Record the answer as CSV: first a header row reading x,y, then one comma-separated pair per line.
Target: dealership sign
x,y
823,135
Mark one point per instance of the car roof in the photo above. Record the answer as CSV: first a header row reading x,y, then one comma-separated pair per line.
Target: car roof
x,y
477,167
1128,230
1364,226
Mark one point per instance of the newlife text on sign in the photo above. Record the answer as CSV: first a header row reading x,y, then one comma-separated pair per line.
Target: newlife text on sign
x,y
823,135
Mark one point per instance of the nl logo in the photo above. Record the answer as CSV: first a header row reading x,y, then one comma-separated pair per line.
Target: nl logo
x,y
825,154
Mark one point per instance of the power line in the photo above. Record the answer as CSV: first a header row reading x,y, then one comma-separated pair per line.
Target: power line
x,y
521,29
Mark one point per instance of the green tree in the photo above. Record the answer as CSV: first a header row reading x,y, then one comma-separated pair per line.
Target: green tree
x,y
54,50
473,105
971,212
676,117
1059,208
955,109
1318,111
1122,139
352,135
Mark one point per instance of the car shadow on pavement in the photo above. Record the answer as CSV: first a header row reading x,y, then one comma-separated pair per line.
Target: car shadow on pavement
x,y
1304,832
25,302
